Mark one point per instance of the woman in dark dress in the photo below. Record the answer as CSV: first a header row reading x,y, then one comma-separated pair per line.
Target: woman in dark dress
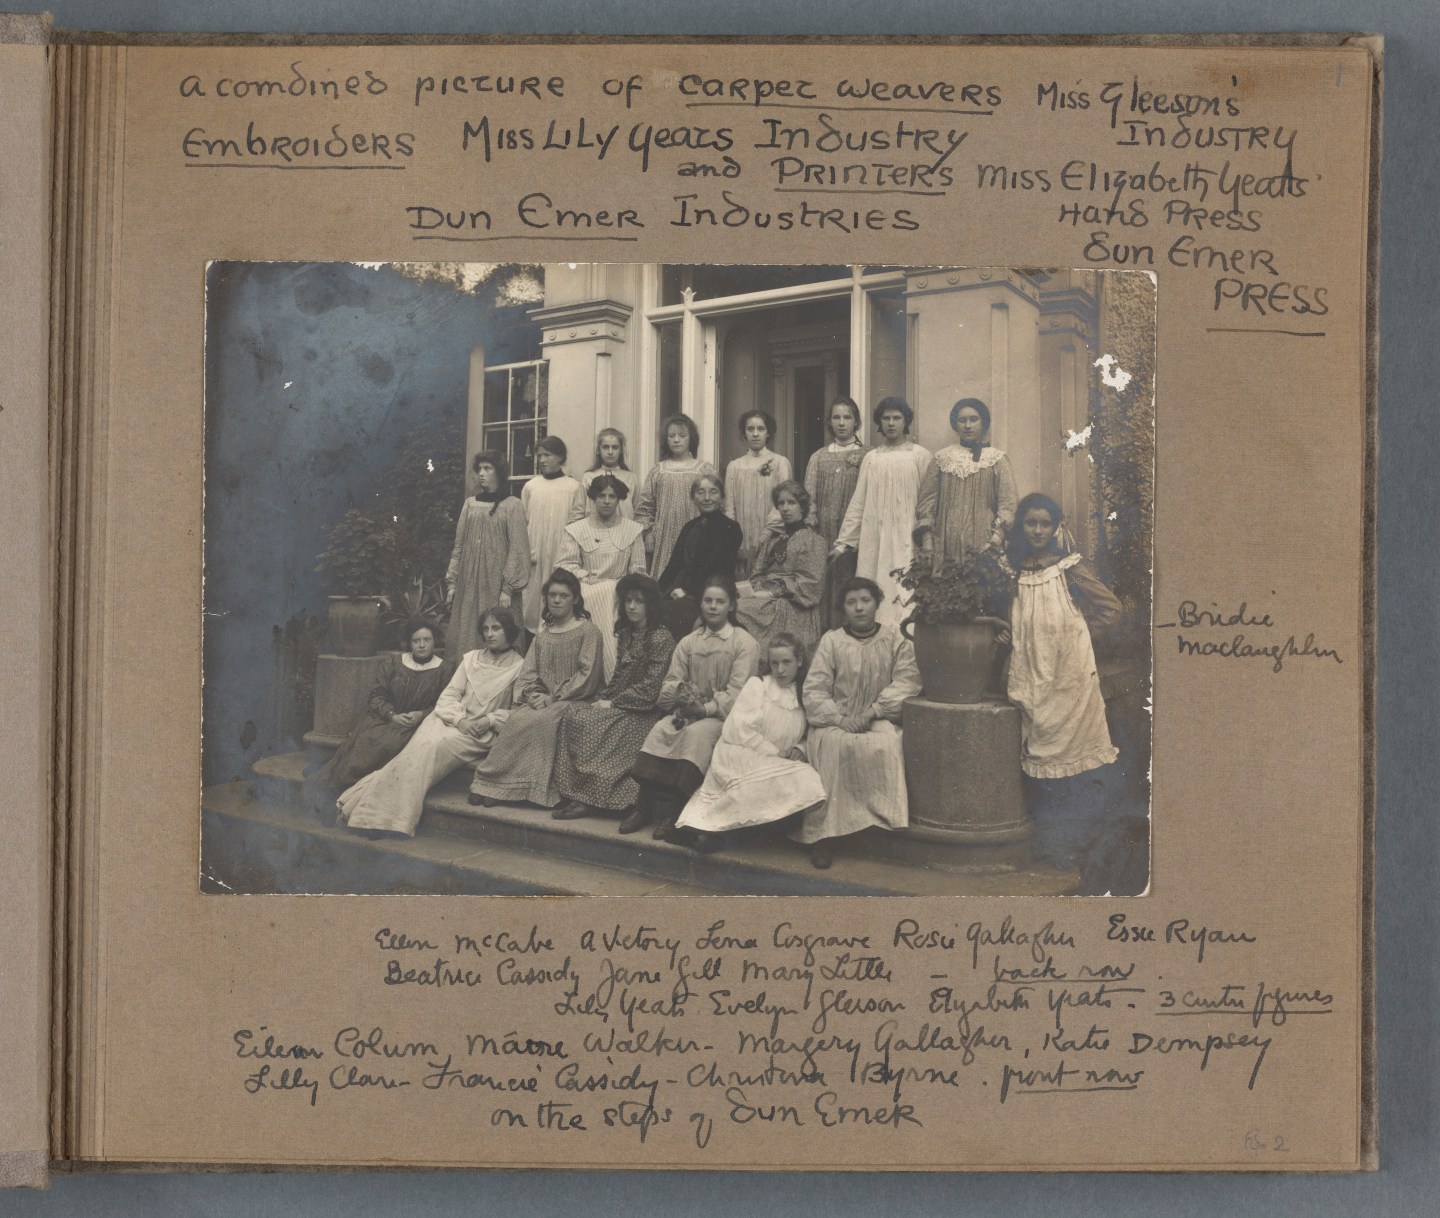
x,y
598,741
708,545
407,691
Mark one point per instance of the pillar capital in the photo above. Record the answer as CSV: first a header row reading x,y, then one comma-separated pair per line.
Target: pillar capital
x,y
582,322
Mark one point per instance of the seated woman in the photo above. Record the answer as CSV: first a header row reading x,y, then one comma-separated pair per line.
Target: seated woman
x,y
758,773
459,731
597,741
409,684
707,672
707,545
598,549
783,596
860,677
562,665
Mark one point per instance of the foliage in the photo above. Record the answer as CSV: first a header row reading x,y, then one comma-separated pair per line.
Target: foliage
x,y
1123,448
399,547
979,585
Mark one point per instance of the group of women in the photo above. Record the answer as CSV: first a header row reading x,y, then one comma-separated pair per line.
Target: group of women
x,y
697,704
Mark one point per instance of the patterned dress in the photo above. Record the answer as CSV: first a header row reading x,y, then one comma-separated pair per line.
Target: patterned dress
x,y
565,664
664,505
596,745
790,566
751,780
550,504
747,497
402,688
714,666
459,731
830,477
598,555
491,556
880,520
863,772
626,507
1053,677
967,504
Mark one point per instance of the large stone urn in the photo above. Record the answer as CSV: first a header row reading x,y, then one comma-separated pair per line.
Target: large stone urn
x,y
962,744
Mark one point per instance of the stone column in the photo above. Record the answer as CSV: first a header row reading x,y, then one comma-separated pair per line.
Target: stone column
x,y
974,334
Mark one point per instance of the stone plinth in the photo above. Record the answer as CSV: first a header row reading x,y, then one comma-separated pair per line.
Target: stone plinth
x,y
342,691
962,767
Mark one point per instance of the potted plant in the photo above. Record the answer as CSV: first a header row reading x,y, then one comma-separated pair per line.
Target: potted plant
x,y
956,607
356,562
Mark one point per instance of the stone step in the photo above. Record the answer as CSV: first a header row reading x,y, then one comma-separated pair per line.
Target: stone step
x,y
251,845
758,862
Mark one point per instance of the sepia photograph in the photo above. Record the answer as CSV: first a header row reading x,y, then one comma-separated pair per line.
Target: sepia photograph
x,y
638,579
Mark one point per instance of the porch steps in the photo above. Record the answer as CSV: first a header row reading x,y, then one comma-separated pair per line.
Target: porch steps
x,y
271,842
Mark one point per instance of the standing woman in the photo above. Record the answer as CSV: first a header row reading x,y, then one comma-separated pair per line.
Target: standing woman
x,y
880,520
562,665
861,676
552,499
598,740
406,692
749,481
599,549
664,503
490,564
610,459
968,496
459,731
830,477
707,673
758,773
783,596
707,545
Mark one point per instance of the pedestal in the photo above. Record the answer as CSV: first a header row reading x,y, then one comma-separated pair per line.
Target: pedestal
x,y
342,691
962,768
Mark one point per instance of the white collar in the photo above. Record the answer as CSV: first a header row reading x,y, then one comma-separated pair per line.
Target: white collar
x,y
723,633
958,460
408,661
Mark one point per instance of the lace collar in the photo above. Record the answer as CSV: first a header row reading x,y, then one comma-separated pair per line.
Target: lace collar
x,y
1054,571
958,460
409,662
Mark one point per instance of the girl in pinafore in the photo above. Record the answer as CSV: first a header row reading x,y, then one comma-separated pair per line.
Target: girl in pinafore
x,y
749,482
610,459
664,503
830,477
1053,676
552,499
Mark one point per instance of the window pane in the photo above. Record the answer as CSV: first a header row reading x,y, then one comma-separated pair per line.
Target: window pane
x,y
497,388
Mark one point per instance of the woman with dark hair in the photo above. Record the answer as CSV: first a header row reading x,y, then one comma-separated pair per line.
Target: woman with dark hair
x,y
967,495
750,480
783,596
598,549
409,684
830,477
861,676
707,672
758,772
598,741
880,521
665,503
459,731
551,499
490,564
610,459
562,665
707,545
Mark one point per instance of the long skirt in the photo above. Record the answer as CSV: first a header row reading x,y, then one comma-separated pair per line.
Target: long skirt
x,y
600,604
521,763
744,788
864,776
393,797
677,757
363,752
594,750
